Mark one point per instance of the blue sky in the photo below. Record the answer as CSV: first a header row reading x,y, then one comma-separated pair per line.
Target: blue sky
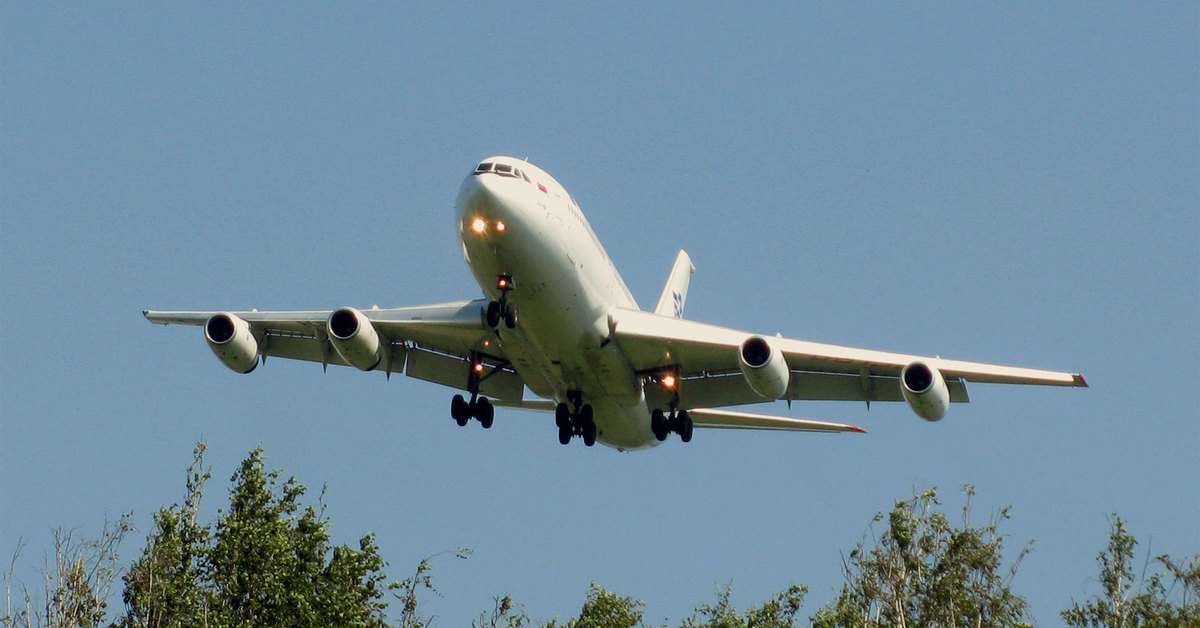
x,y
1013,184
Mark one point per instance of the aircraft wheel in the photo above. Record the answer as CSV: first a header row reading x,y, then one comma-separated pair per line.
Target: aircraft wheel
x,y
564,434
685,427
493,314
459,410
588,426
562,415
511,315
485,412
658,424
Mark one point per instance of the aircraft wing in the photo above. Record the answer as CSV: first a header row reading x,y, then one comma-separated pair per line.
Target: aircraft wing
x,y
431,342
705,358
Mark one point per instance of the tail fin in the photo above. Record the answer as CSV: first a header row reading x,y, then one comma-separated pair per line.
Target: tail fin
x,y
674,294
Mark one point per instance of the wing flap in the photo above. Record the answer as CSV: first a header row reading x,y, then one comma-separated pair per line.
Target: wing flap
x,y
726,419
732,389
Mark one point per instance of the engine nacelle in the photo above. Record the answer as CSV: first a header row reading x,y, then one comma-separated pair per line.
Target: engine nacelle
x,y
354,338
925,390
764,367
230,338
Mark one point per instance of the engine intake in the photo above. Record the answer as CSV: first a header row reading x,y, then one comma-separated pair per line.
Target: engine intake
x,y
925,390
355,339
231,340
764,367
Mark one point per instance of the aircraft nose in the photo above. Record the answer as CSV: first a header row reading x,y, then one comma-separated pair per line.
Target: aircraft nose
x,y
486,203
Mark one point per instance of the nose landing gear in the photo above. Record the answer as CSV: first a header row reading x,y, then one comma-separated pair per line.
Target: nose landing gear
x,y
502,309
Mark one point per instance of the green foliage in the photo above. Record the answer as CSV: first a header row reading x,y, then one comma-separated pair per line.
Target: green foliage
x,y
78,585
266,562
1132,601
778,612
605,609
923,571
421,580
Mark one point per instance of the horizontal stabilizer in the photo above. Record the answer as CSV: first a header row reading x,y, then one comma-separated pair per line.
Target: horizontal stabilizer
x,y
727,419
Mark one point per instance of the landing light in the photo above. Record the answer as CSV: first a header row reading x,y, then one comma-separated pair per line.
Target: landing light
x,y
500,226
668,381
478,226
479,367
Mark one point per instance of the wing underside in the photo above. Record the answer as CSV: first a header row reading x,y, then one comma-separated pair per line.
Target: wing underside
x,y
436,343
705,358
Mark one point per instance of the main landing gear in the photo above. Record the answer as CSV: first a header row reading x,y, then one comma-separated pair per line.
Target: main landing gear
x,y
462,411
579,422
502,309
678,422
478,408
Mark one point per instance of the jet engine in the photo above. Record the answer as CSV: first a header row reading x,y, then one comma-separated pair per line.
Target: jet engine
x,y
925,390
230,338
764,367
355,339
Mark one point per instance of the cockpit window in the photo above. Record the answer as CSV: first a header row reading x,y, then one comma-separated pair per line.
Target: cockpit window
x,y
503,169
523,176
483,167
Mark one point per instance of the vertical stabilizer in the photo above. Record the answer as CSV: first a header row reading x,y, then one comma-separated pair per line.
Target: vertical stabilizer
x,y
674,294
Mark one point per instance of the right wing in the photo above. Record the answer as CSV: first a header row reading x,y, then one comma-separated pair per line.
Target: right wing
x,y
437,343
705,357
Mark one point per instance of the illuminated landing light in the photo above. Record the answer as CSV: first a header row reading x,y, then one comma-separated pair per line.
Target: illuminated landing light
x,y
478,226
668,381
500,226
478,367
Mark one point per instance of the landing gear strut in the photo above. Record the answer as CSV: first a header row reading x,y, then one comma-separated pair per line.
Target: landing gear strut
x,y
502,309
578,422
679,422
462,411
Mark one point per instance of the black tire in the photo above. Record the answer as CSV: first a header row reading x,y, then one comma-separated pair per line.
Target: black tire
x,y
511,315
485,412
589,434
564,434
493,314
685,427
658,424
562,415
459,410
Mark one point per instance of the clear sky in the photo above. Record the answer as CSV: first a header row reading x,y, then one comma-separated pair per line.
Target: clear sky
x,y
1014,184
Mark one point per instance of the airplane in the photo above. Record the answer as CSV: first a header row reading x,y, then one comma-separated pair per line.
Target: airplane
x,y
558,320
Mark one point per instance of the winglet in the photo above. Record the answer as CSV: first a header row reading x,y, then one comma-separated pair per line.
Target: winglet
x,y
674,294
1080,380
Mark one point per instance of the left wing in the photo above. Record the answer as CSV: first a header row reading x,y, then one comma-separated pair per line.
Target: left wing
x,y
437,343
706,359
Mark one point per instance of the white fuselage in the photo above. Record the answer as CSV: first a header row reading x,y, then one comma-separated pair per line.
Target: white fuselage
x,y
527,227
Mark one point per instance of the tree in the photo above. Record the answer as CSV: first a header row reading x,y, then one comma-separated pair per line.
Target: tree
x,y
778,612
78,584
605,609
266,562
923,571
1132,601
